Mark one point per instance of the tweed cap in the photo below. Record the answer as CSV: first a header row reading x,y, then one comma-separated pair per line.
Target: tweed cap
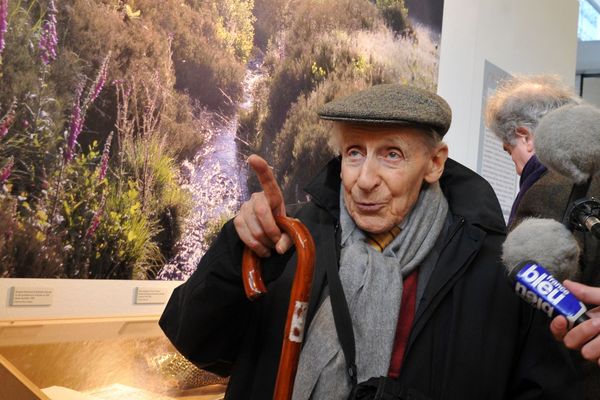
x,y
391,104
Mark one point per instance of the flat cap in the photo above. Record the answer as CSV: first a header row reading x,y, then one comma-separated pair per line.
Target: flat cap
x,y
391,104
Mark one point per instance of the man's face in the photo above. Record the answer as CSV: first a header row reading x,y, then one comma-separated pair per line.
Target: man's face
x,y
520,152
383,170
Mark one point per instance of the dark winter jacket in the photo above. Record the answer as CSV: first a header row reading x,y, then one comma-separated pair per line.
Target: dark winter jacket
x,y
472,337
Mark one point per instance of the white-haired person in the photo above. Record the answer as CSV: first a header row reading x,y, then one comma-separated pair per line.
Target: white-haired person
x,y
513,113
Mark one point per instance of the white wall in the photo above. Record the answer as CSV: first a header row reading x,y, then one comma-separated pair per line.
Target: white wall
x,y
83,298
518,36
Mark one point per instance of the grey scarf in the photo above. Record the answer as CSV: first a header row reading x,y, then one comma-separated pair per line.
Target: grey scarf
x,y
372,283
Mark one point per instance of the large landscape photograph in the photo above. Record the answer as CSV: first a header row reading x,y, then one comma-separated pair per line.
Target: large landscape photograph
x,y
125,124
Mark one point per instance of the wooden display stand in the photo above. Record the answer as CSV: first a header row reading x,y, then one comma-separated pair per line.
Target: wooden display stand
x,y
15,385
92,340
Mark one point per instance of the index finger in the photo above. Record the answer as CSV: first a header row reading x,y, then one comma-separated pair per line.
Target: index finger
x,y
268,183
587,294
582,333
559,327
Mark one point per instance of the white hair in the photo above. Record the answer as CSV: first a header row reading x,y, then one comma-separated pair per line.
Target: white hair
x,y
522,101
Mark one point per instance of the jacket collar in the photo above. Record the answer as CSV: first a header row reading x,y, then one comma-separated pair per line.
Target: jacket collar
x,y
324,189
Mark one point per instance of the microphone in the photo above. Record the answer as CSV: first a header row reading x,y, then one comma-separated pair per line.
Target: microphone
x,y
584,214
553,246
534,284
567,140
548,242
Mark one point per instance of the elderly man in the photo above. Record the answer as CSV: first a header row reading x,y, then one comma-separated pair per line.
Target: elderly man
x,y
408,296
513,113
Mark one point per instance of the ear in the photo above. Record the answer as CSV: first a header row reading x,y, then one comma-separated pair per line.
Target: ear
x,y
525,135
436,164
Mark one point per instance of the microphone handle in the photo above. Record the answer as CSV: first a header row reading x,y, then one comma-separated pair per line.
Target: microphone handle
x,y
595,229
582,318
584,215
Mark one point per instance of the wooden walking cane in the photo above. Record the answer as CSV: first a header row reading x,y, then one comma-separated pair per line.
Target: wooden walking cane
x,y
294,326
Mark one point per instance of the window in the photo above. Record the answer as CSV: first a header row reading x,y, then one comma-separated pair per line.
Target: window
x,y
589,20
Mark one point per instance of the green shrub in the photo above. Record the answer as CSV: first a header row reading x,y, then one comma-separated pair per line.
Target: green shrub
x,y
123,246
214,227
79,225
271,16
395,14
25,251
199,50
142,48
235,25
148,161
293,76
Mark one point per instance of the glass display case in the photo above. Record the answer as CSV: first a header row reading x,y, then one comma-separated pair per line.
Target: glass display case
x,y
85,340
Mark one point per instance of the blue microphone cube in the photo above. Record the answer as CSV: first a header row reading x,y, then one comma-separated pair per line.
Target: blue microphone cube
x,y
534,284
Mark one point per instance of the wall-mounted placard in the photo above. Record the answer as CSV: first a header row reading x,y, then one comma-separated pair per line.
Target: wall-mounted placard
x,y
495,165
151,295
31,296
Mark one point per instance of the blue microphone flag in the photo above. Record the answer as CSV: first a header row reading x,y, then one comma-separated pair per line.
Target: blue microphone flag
x,y
534,284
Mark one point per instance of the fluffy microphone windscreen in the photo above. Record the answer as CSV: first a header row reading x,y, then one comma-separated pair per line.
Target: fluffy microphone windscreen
x,y
567,140
546,241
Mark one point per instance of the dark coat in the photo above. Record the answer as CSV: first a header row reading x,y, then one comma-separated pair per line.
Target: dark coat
x,y
472,338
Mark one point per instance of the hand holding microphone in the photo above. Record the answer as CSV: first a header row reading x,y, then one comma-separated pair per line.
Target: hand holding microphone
x,y
552,245
585,336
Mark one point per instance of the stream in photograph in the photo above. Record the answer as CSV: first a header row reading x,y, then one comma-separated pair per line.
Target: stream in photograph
x,y
216,178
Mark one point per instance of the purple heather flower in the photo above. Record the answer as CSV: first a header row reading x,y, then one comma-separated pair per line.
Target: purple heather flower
x,y
48,38
96,219
100,79
3,129
7,121
105,156
76,123
127,93
3,22
6,170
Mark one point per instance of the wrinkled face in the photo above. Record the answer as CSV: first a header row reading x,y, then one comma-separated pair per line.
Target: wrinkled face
x,y
383,171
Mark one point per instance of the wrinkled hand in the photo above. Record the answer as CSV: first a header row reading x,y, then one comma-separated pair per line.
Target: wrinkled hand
x,y
255,223
585,336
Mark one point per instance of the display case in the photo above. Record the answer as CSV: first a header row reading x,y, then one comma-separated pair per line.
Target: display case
x,y
92,340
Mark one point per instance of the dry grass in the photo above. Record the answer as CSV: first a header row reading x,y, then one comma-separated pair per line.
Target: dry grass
x,y
411,60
